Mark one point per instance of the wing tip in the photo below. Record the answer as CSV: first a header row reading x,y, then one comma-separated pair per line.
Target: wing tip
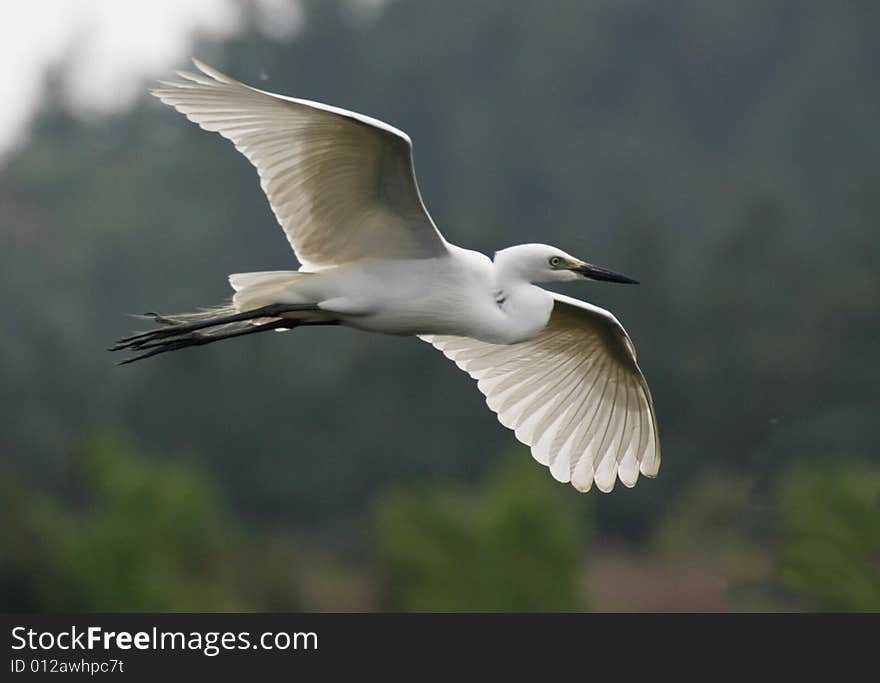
x,y
582,488
605,487
650,467
189,78
211,71
628,482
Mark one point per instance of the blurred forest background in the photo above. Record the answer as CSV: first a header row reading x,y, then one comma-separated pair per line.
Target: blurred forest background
x,y
725,154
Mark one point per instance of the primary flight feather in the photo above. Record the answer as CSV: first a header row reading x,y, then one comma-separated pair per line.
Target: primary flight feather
x,y
560,372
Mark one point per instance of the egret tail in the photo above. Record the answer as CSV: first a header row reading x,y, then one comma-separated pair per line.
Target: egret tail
x,y
224,322
255,290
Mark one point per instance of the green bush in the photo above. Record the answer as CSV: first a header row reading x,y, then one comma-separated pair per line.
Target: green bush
x,y
517,545
138,534
830,523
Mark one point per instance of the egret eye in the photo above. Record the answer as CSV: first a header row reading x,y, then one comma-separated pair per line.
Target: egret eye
x,y
555,261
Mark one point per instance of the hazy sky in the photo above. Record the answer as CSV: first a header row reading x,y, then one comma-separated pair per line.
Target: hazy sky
x,y
109,46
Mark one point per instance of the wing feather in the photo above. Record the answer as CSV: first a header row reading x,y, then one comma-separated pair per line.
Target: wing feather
x,y
342,185
574,393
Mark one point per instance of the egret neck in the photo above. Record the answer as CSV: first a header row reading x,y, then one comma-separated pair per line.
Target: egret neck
x,y
526,308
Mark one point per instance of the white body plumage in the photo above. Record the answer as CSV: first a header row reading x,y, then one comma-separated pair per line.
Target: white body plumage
x,y
462,293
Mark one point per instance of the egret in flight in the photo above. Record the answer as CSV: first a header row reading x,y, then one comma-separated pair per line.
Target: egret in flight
x,y
560,372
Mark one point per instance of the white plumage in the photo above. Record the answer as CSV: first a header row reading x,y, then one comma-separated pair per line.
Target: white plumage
x,y
560,372
319,166
574,393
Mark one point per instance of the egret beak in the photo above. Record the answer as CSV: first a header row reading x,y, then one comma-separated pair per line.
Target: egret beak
x,y
592,272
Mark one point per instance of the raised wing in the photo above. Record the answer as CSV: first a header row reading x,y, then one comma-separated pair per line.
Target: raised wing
x,y
574,393
341,184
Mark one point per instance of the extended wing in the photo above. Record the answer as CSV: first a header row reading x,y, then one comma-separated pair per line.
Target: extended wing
x,y
574,393
341,184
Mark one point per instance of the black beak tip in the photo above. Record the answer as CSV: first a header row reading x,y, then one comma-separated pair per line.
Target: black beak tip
x,y
603,275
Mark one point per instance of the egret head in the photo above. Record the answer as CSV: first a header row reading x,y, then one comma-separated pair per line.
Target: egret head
x,y
542,263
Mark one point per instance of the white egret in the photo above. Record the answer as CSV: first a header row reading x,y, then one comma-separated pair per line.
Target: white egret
x,y
560,372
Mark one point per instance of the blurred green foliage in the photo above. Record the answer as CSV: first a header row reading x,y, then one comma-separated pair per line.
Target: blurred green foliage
x,y
147,535
514,544
137,534
712,521
830,519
